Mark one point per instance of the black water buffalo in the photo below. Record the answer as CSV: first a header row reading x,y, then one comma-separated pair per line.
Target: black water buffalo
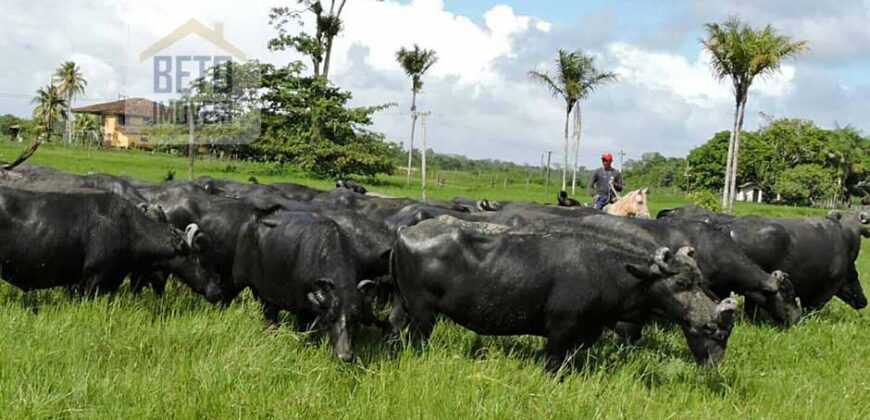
x,y
351,185
418,212
475,206
564,285
724,266
818,253
301,262
375,208
91,240
39,177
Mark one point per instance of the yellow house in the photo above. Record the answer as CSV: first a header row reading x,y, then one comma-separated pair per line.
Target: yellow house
x,y
121,121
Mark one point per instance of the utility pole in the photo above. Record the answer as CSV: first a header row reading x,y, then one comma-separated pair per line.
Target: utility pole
x,y
547,182
621,160
414,115
191,146
424,126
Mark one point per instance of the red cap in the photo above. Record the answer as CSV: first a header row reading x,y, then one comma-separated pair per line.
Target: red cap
x,y
607,156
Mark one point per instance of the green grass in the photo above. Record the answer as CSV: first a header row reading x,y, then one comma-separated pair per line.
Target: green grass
x,y
143,357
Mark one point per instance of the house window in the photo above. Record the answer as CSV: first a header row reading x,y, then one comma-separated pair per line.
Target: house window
x,y
122,119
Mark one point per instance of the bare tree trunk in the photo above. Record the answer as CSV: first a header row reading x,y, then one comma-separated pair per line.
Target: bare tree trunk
x,y
413,127
327,58
726,189
34,147
423,157
25,155
732,193
578,125
565,166
69,120
191,146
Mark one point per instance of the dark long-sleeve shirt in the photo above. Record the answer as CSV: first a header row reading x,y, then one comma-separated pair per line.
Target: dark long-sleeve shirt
x,y
599,182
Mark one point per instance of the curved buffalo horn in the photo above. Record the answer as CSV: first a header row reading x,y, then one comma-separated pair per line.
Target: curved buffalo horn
x,y
687,251
864,217
365,283
662,256
317,298
834,215
190,233
725,311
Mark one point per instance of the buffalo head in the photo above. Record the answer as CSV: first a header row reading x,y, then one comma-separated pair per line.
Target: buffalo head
x,y
339,311
678,293
192,263
779,299
857,222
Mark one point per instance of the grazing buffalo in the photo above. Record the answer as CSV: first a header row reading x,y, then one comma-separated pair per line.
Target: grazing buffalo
x,y
564,285
723,264
818,253
301,262
91,240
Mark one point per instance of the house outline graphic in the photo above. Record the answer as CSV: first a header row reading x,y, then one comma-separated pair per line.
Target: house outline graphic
x,y
194,27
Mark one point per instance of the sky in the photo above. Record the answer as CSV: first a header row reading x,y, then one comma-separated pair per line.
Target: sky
x,y
483,103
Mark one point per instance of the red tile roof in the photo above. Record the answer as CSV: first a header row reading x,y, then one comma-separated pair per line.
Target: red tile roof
x,y
137,107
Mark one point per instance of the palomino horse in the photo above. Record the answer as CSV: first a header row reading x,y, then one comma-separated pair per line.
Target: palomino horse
x,y
632,204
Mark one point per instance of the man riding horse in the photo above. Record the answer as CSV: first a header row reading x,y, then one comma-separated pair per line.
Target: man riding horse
x,y
605,183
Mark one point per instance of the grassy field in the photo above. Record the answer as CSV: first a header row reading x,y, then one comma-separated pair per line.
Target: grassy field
x,y
143,357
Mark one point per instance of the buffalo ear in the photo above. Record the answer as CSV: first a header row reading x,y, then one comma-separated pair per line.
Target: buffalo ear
x,y
202,243
649,272
323,294
835,215
367,290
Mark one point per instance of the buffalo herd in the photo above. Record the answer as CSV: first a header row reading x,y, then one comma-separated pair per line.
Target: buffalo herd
x,y
339,259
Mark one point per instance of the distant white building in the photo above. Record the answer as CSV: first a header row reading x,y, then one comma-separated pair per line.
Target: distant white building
x,y
750,192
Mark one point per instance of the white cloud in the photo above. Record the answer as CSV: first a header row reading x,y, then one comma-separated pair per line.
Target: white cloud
x,y
483,103
693,81
465,50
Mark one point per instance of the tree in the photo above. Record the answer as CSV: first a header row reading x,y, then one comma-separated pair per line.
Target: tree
x,y
317,47
49,109
741,53
576,78
306,121
415,62
804,183
70,83
87,127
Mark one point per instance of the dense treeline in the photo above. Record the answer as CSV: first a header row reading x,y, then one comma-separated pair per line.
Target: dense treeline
x,y
791,160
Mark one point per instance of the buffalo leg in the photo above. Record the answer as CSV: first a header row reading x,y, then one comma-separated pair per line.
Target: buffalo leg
x,y
751,305
563,341
270,314
851,291
398,319
421,323
97,283
629,332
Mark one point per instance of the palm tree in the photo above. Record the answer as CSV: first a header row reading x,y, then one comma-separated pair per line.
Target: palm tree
x,y
576,78
71,83
87,126
49,109
415,62
741,52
